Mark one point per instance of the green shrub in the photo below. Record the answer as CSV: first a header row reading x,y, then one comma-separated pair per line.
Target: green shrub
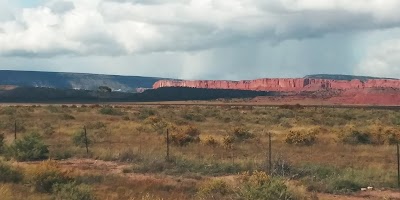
x,y
72,191
95,125
128,156
381,134
31,147
242,134
48,130
66,116
211,141
392,136
214,189
228,141
60,154
79,139
238,134
179,166
260,186
181,122
8,110
152,166
286,123
303,137
376,134
193,116
126,118
329,179
90,179
10,126
345,186
110,111
158,124
319,172
46,175
127,170
1,143
186,136
8,174
97,135
356,137
144,113
54,109
281,167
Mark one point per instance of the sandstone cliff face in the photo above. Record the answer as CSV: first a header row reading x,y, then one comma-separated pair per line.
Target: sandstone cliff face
x,y
283,84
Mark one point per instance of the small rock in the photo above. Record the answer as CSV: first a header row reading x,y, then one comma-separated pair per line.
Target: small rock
x,y
363,189
370,188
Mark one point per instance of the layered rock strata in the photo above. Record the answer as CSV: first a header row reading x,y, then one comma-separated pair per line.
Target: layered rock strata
x,y
282,84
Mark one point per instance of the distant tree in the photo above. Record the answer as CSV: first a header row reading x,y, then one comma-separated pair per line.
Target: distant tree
x,y
104,89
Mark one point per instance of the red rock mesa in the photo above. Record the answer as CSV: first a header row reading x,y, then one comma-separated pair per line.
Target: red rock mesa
x,y
283,84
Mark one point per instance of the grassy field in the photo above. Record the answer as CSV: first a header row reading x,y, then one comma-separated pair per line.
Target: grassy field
x,y
216,152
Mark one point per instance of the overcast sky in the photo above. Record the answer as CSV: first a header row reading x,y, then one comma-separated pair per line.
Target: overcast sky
x,y
202,39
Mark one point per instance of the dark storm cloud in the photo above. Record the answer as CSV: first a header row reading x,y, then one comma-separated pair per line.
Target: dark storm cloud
x,y
208,38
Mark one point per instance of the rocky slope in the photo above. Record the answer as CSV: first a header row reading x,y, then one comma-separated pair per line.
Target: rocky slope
x,y
284,84
62,80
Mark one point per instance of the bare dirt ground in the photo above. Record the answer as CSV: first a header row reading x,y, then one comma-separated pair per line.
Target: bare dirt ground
x,y
91,166
116,168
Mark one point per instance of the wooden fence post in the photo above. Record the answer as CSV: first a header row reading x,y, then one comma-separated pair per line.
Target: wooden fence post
x,y
270,154
398,165
167,141
15,130
86,141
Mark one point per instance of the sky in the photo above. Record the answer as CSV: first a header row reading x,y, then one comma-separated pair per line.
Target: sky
x,y
202,39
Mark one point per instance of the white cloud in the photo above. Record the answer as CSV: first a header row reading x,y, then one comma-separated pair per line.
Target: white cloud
x,y
60,6
121,27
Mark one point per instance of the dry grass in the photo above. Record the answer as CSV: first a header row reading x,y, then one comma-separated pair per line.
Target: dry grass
x,y
18,191
135,135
